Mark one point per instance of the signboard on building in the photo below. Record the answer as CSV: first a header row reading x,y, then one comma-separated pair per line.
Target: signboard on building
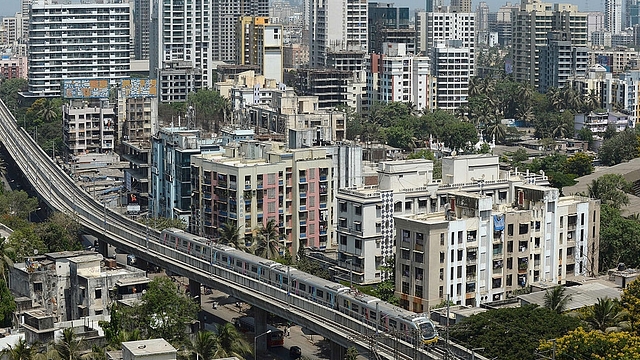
x,y
133,203
137,88
85,88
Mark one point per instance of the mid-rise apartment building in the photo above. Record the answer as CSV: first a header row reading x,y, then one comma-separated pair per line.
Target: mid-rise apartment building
x,y
77,40
407,187
255,182
388,23
613,15
531,23
398,75
88,126
451,67
13,67
171,151
476,251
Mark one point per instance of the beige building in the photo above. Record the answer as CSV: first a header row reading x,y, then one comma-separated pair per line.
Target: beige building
x,y
152,349
88,127
477,251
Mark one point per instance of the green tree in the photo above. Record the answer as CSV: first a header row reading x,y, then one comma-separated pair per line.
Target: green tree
x,y
70,346
17,203
352,354
611,189
5,259
605,314
7,304
585,134
385,291
267,242
161,223
20,351
60,233
230,342
619,239
556,300
421,154
9,93
519,156
48,111
621,147
202,346
580,164
24,243
165,311
512,333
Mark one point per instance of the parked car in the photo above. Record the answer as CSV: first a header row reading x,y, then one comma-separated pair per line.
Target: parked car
x,y
295,352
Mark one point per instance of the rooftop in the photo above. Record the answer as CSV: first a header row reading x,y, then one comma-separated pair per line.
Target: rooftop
x,y
583,295
148,347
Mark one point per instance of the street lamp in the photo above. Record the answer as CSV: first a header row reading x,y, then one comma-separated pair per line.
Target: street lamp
x,y
255,344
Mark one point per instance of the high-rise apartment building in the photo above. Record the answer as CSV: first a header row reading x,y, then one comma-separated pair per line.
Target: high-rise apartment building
x,y
482,23
436,27
260,43
181,34
388,23
461,6
531,23
559,61
476,251
224,17
632,13
595,23
336,25
613,15
452,67
78,40
141,26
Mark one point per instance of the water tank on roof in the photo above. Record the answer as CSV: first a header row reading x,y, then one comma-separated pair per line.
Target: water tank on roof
x,y
622,267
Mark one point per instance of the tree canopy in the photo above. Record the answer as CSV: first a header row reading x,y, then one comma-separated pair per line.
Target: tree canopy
x,y
512,333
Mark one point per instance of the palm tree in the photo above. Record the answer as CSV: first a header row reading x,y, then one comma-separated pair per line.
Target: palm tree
x,y
203,345
267,245
48,112
556,300
525,93
20,351
604,314
69,346
497,129
230,342
230,235
525,113
555,98
5,260
592,102
561,130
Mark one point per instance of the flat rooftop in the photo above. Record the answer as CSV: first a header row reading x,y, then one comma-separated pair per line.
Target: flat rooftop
x,y
583,295
148,347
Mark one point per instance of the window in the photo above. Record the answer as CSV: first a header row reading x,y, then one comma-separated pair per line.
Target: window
x,y
419,273
441,273
343,206
302,287
405,287
358,244
510,229
523,229
343,240
358,209
98,293
37,286
418,291
418,257
442,239
441,257
405,254
419,238
406,235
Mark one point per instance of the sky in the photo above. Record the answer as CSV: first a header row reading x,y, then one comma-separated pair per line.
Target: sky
x,y
10,7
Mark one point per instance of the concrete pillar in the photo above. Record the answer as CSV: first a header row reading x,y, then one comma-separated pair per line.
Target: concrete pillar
x,y
337,351
261,327
103,248
194,291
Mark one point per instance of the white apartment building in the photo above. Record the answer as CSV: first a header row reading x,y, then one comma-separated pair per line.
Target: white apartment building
x,y
477,251
613,15
88,127
452,67
407,187
181,33
436,27
336,25
260,43
397,75
78,40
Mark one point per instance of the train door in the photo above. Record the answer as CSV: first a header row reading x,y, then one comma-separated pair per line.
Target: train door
x,y
312,293
165,238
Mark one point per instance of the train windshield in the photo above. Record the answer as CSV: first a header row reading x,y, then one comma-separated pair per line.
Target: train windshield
x,y
428,330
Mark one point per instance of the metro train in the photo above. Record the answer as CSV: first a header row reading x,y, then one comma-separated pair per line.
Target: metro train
x,y
375,312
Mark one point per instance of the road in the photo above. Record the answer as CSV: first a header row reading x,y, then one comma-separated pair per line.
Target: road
x,y
313,346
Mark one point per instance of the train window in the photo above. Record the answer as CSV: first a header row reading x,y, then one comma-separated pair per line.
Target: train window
x,y
303,287
224,258
403,327
392,323
320,293
239,263
184,243
197,248
372,315
346,304
355,308
285,280
254,268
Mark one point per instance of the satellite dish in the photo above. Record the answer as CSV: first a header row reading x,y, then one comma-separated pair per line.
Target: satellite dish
x,y
35,251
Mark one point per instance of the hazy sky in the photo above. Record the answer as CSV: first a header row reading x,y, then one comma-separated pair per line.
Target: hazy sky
x,y
10,7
